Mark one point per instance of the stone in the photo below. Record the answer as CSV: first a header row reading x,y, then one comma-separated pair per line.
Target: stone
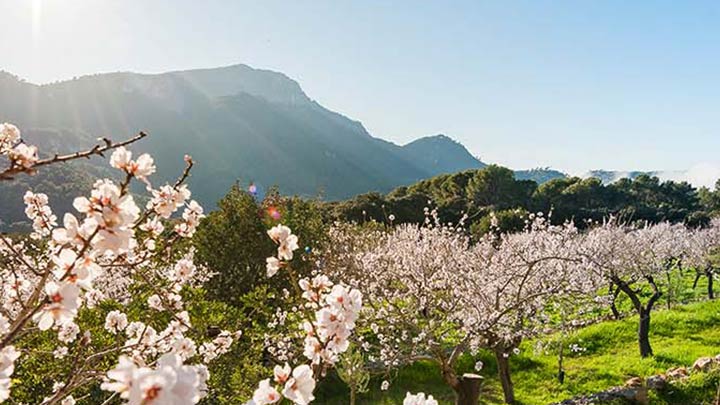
x,y
657,382
623,392
703,364
677,373
634,382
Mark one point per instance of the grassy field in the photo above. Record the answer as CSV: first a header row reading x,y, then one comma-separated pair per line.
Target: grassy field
x,y
678,336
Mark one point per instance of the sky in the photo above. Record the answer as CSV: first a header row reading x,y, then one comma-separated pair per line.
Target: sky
x,y
574,85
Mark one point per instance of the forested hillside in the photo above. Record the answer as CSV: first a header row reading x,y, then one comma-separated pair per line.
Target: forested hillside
x,y
497,190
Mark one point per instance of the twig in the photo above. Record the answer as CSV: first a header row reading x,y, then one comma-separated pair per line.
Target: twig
x,y
9,173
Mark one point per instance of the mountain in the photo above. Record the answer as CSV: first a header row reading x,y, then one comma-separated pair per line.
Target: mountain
x,y
239,124
440,154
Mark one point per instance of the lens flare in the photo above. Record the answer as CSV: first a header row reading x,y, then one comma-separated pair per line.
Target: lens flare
x,y
273,213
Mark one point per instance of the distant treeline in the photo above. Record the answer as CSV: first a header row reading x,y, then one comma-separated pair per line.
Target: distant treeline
x,y
494,189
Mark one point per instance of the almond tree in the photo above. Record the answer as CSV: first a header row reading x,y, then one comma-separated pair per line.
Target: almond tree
x,y
515,277
433,296
416,286
105,252
631,259
702,247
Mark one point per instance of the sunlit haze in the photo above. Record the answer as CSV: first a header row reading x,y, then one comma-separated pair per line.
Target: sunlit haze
x,y
571,85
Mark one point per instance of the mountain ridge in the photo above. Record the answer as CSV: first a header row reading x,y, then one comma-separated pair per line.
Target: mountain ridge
x,y
240,123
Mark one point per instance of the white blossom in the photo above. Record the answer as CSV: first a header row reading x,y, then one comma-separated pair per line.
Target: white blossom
x,y
419,399
115,322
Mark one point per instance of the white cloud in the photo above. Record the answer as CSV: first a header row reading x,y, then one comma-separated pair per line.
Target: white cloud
x,y
700,175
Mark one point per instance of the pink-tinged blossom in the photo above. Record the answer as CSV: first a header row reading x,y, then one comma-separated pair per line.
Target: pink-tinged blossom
x,y
69,400
120,378
272,266
313,289
330,319
115,322
155,302
24,155
38,210
167,199
287,242
170,382
8,355
68,332
191,219
115,214
140,168
74,233
153,225
299,388
9,136
184,347
64,262
184,270
62,307
265,394
282,374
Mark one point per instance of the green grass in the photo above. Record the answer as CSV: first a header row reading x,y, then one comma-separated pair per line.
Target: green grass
x,y
678,336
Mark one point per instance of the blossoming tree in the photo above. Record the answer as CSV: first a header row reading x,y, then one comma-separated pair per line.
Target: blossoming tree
x,y
632,259
702,254
515,277
63,279
416,287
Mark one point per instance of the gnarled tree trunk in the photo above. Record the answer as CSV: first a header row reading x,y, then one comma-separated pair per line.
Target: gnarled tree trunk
x,y
697,278
643,311
644,334
561,357
503,362
709,274
613,307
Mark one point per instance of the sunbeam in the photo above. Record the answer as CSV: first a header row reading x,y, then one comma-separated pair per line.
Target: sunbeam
x,y
37,7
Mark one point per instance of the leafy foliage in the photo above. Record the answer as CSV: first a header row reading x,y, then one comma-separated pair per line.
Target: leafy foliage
x,y
232,241
477,193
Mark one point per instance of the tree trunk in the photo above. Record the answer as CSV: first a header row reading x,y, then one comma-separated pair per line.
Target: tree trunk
x,y
697,278
709,274
503,363
352,395
643,311
644,334
615,312
613,307
670,291
468,390
561,371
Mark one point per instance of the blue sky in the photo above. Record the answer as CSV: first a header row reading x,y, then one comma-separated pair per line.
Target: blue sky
x,y
575,85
